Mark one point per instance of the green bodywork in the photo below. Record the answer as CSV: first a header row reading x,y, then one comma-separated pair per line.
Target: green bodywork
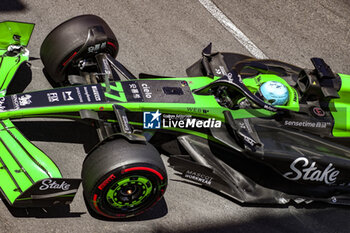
x,y
201,101
340,109
12,33
15,33
22,164
24,150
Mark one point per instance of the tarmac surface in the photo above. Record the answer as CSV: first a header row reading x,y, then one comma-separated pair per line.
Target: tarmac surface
x,y
164,38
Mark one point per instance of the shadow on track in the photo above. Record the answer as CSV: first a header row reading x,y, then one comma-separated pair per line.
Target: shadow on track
x,y
70,132
12,5
59,131
51,212
157,211
313,205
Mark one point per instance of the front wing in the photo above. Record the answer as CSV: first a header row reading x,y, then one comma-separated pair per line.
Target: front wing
x,y
27,176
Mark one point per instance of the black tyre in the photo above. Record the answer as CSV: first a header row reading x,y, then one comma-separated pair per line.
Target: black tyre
x,y
64,45
123,179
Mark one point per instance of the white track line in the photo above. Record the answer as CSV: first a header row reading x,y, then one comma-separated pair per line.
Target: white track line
x,y
238,34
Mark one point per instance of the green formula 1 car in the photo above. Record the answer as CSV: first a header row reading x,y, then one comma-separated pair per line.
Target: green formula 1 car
x,y
260,131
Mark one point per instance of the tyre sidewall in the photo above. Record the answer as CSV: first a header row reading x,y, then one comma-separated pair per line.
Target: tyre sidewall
x,y
114,161
98,196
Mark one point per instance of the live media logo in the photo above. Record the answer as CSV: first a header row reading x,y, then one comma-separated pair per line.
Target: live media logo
x,y
152,120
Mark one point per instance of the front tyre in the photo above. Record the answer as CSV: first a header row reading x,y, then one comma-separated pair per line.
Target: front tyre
x,y
123,179
65,46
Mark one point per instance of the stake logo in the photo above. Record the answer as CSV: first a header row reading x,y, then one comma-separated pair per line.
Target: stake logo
x,y
151,120
50,184
302,170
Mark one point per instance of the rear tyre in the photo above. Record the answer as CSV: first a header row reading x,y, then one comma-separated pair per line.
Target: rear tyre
x,y
123,179
62,47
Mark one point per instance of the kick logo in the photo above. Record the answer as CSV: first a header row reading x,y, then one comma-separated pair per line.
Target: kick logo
x,y
152,120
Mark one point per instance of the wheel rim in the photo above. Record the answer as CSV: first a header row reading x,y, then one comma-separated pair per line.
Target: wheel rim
x,y
129,192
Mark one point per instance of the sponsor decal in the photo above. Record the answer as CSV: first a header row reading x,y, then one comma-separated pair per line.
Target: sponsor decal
x,y
269,108
53,97
15,102
246,125
135,91
301,169
295,95
318,112
25,100
79,95
307,124
240,78
2,101
136,96
199,110
67,96
199,177
95,48
87,95
126,123
96,93
152,120
50,184
106,181
146,90
106,64
56,97
133,86
249,140
170,91
229,77
220,71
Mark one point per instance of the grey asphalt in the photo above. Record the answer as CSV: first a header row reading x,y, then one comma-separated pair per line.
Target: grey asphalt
x,y
164,38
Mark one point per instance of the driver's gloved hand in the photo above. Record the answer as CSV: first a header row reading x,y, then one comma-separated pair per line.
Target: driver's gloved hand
x,y
245,103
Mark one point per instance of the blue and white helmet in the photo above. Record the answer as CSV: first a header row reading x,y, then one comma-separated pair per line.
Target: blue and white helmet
x,y
275,92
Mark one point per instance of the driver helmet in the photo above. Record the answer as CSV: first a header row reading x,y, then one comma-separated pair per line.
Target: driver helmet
x,y
274,93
